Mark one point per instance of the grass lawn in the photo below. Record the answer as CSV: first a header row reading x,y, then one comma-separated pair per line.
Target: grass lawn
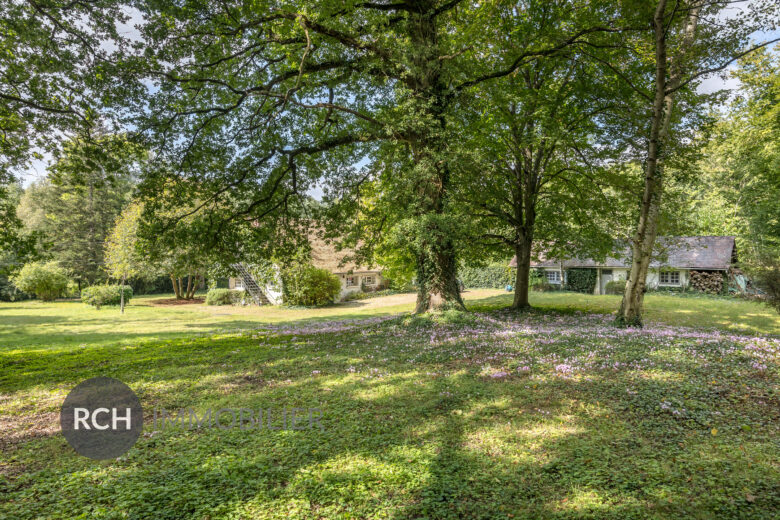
x,y
550,414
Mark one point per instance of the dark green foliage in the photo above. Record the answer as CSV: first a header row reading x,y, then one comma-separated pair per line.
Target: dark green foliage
x,y
615,287
769,281
153,285
496,275
99,295
9,292
75,208
581,280
223,297
309,286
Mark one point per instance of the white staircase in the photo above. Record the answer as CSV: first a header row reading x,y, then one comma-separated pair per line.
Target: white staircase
x,y
250,285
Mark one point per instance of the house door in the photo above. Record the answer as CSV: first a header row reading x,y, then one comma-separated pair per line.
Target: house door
x,y
606,277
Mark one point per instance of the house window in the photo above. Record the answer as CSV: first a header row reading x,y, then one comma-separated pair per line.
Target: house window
x,y
554,277
352,281
669,278
239,284
369,280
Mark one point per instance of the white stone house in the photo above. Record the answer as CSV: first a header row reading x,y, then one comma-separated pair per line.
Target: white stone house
x,y
673,260
353,277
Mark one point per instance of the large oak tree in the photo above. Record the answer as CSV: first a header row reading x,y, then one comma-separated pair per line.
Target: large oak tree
x,y
253,101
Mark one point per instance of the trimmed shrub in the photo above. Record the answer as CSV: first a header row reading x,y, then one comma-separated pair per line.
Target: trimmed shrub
x,y
581,280
47,281
492,276
99,295
309,286
615,287
224,297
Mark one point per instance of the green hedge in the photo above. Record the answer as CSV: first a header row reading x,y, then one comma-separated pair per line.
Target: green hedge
x,y
224,297
615,287
309,286
581,280
493,276
99,295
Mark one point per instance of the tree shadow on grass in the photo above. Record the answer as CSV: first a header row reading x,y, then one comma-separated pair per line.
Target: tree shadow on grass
x,y
580,447
343,469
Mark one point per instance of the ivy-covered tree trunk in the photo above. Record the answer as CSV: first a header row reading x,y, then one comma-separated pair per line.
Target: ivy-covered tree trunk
x,y
437,274
436,256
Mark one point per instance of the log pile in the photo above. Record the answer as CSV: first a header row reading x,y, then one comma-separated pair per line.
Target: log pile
x,y
707,281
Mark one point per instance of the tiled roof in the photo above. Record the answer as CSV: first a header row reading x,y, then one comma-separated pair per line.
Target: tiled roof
x,y
708,252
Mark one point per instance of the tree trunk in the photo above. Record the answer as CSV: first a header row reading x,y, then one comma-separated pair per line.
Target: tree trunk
x,y
436,257
193,283
188,294
176,282
523,257
122,296
630,313
437,282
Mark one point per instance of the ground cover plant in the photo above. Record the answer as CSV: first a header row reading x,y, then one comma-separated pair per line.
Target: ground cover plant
x,y
550,414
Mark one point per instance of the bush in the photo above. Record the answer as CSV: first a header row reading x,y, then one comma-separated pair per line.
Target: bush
x,y
768,280
581,280
224,297
99,295
536,276
543,286
154,285
493,276
309,286
9,292
615,287
47,281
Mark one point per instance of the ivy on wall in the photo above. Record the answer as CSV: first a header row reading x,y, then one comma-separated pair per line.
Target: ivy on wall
x,y
581,280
